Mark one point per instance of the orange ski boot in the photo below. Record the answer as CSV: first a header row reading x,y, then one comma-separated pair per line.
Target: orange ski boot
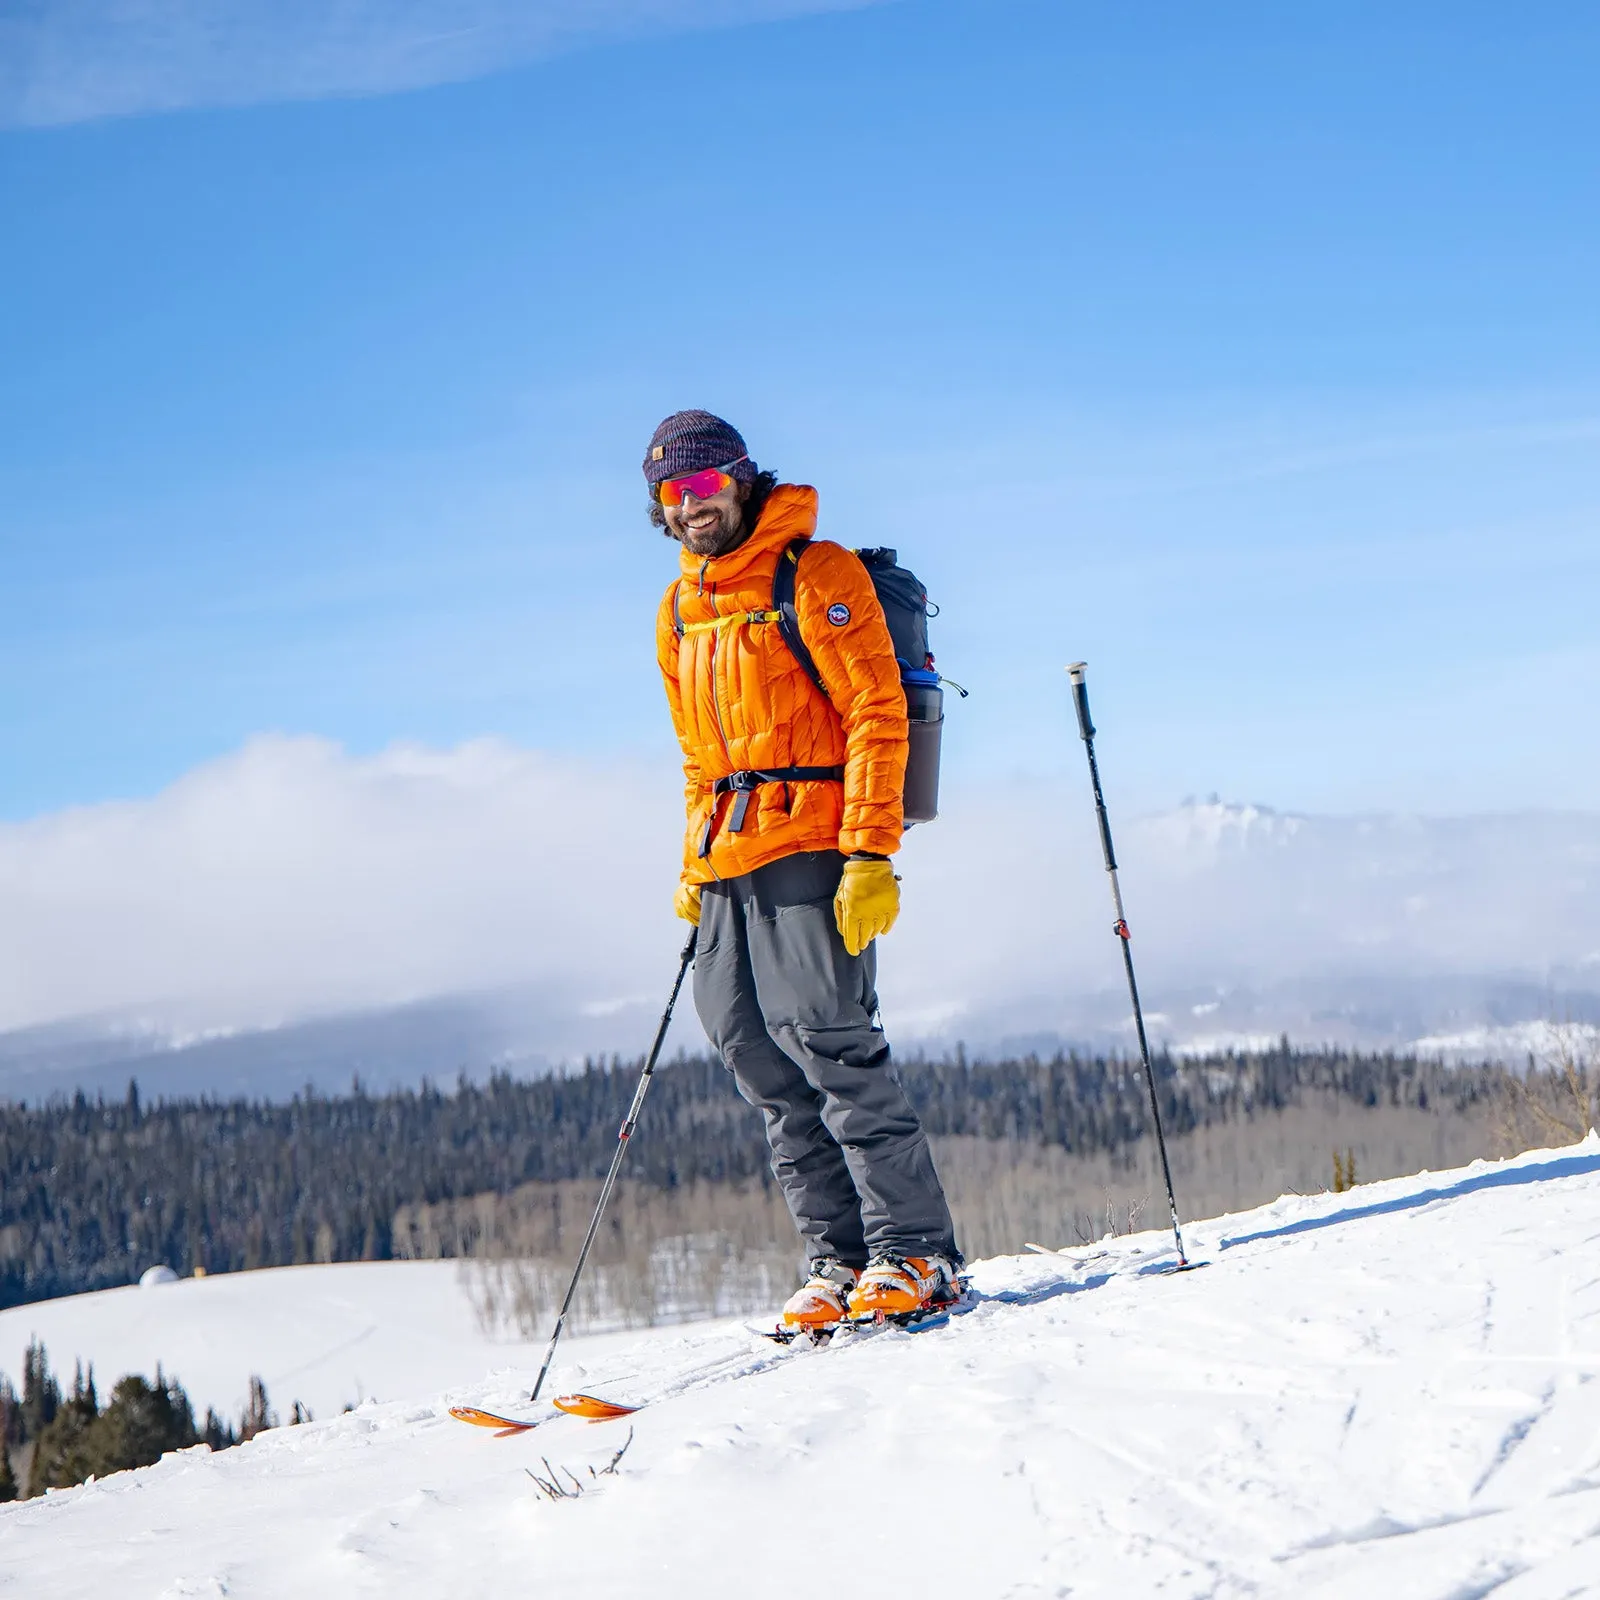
x,y
893,1286
820,1301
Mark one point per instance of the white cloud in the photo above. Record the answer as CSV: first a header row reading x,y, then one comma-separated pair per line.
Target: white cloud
x,y
72,60
293,878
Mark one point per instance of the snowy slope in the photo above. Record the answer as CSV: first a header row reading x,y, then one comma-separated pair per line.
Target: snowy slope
x,y
1390,1393
328,1336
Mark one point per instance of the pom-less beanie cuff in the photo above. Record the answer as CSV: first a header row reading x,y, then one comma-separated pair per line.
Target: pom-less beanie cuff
x,y
691,441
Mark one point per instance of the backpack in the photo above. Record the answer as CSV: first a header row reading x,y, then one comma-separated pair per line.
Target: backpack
x,y
906,609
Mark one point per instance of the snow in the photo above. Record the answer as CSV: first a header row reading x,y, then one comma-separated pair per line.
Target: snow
x,y
1393,1392
1514,1042
329,1336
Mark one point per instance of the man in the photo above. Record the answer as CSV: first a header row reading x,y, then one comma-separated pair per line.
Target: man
x,y
794,802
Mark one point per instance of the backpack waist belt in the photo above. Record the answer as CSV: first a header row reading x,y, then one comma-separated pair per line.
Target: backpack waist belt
x,y
744,784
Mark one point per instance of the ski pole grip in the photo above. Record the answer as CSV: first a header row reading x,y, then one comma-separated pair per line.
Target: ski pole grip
x,y
1080,699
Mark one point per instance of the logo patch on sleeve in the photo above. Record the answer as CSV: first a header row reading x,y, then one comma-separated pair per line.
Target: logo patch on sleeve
x,y
838,615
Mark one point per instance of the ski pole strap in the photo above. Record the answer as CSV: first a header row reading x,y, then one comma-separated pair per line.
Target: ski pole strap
x,y
744,784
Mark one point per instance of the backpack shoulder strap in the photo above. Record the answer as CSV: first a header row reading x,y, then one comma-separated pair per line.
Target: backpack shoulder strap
x,y
783,580
677,614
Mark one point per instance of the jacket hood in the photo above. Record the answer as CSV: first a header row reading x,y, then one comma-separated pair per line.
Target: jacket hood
x,y
790,513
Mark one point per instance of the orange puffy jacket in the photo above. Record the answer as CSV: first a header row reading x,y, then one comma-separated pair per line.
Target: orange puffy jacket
x,y
740,700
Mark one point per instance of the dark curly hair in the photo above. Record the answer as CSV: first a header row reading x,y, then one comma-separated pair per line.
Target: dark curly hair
x,y
760,487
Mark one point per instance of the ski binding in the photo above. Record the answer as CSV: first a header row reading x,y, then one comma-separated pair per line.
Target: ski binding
x,y
933,1315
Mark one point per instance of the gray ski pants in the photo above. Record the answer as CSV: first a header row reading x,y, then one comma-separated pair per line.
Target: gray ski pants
x,y
794,1017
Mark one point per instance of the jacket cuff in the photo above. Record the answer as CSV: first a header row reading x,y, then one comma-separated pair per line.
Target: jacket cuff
x,y
869,841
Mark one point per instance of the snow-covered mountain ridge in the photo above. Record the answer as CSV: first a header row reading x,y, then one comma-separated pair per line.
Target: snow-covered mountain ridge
x,y
1443,935
293,912
1395,1391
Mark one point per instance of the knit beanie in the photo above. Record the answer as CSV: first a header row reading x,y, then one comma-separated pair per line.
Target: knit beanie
x,y
691,441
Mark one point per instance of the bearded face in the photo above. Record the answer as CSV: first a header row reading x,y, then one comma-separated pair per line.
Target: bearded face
x,y
709,527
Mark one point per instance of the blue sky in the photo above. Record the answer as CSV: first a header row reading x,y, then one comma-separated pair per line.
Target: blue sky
x,y
1249,351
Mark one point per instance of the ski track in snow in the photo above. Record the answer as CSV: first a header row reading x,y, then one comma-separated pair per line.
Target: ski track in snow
x,y
1388,1393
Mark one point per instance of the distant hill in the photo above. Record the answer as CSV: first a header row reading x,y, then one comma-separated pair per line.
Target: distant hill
x,y
1452,935
519,1031
395,1047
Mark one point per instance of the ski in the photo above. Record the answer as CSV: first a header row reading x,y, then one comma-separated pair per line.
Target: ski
x,y
588,1406
592,1408
596,1410
504,1427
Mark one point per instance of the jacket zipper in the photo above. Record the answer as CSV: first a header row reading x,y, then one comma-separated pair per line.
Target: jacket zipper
x,y
716,703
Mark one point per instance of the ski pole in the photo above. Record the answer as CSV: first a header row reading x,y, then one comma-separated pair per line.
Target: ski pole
x,y
623,1136
1080,697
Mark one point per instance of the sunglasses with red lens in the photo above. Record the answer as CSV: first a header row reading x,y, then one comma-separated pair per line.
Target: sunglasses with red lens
x,y
702,485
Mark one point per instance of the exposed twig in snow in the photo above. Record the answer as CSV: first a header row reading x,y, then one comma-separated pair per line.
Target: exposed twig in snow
x,y
552,1488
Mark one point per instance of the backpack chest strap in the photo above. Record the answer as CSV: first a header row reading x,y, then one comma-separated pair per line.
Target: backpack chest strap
x,y
729,619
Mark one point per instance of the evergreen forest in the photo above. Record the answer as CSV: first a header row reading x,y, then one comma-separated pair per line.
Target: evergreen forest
x,y
94,1192
53,1440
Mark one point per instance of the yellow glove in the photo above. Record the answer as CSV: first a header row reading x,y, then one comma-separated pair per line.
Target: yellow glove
x,y
686,902
867,903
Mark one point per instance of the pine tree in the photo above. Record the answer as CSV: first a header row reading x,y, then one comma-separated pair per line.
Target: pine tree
x,y
41,1394
142,1422
258,1414
11,1434
67,1452
217,1434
